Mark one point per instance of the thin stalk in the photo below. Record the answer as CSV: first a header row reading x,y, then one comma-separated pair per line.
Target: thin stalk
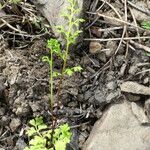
x,y
51,81
66,54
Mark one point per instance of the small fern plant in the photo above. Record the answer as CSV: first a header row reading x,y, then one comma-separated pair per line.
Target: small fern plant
x,y
58,137
70,34
40,136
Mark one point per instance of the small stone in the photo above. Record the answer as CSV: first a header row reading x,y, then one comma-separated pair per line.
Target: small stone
x,y
102,57
5,120
132,97
147,108
96,31
133,70
87,95
100,97
122,69
2,88
72,104
99,113
20,144
112,96
2,111
112,46
139,113
73,91
82,138
95,47
146,80
111,14
133,87
111,85
22,110
14,124
85,60
35,107
119,61
140,16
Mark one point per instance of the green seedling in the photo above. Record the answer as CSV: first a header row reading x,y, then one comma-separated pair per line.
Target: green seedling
x,y
70,34
57,137
146,25
40,136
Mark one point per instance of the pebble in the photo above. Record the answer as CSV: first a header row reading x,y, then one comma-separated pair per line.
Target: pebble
x,y
95,47
111,85
14,124
139,113
112,46
112,96
132,97
20,144
133,70
2,88
147,108
134,87
100,97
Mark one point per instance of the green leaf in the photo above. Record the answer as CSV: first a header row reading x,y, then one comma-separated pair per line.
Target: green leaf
x,y
46,59
37,121
41,127
148,54
31,131
68,72
54,46
56,74
146,25
60,145
77,68
37,140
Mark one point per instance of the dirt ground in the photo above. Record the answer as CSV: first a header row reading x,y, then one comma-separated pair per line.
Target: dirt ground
x,y
106,53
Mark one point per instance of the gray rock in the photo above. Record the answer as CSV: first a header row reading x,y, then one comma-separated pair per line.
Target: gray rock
x,y
133,70
5,120
87,94
2,88
52,10
133,87
23,110
112,96
2,111
118,129
112,46
100,97
35,106
2,13
14,124
140,16
132,98
147,108
102,57
111,85
139,113
20,144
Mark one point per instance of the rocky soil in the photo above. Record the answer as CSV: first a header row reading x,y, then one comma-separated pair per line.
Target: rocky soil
x,y
108,104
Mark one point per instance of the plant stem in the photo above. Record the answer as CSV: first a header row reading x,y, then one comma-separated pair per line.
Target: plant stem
x,y
51,81
66,55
